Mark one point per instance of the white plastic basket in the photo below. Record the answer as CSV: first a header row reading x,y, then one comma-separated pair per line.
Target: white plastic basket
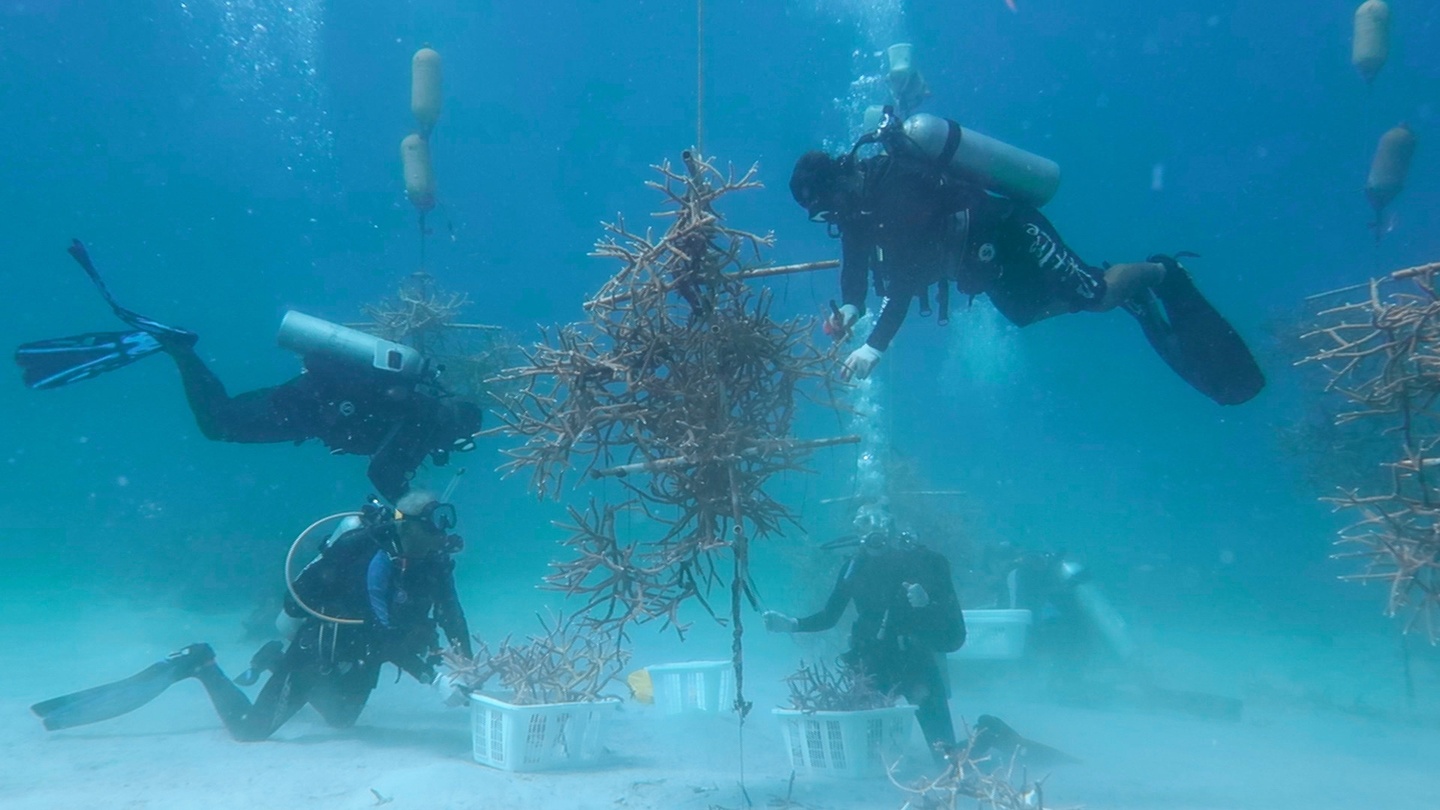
x,y
994,635
540,737
854,745
706,687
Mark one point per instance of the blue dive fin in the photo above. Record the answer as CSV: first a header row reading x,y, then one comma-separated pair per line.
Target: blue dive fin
x,y
169,335
61,361
104,702
121,697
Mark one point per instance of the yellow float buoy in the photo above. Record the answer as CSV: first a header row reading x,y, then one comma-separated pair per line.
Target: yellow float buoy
x,y
419,177
1389,167
425,89
1370,42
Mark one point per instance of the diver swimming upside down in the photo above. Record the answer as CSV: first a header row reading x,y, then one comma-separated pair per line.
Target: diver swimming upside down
x,y
910,220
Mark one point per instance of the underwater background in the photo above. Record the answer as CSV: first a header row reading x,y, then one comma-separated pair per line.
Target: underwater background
x,y
227,161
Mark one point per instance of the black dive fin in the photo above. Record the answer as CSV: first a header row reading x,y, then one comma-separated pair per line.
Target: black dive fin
x,y
61,361
1196,341
121,697
992,733
169,335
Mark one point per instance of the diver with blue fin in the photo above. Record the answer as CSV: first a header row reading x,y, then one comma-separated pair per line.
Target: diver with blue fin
x,y
380,591
942,204
359,394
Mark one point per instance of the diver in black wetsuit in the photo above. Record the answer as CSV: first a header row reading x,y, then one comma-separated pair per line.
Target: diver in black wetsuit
x,y
352,410
395,576
359,394
908,617
900,216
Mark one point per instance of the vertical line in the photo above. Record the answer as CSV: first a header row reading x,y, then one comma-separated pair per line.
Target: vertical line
x,y
700,77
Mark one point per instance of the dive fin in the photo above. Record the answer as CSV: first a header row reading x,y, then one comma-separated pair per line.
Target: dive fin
x,y
168,335
992,733
61,361
122,697
1195,340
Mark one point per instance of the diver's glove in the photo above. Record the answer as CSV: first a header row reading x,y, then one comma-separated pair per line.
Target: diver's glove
x,y
777,622
453,688
861,362
838,324
915,594
264,660
406,650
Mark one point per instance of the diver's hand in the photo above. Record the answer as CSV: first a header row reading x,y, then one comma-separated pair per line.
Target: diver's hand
x,y
861,362
453,688
915,594
838,323
777,622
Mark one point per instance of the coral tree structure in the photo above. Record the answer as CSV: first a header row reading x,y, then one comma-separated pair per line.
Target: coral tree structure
x,y
1381,351
681,386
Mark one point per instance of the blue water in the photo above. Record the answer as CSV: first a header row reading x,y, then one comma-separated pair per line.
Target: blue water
x,y
227,161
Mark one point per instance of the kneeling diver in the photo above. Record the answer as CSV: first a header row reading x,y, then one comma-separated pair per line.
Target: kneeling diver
x,y
358,394
907,617
396,576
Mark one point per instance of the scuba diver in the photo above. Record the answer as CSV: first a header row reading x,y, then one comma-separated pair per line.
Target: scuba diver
x,y
359,394
944,204
908,617
375,594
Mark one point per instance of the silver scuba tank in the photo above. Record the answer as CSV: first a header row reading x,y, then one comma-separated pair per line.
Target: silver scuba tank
x,y
999,167
1102,615
310,336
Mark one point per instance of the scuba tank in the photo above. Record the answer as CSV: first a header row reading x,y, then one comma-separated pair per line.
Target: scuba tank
x,y
308,336
997,166
1097,610
287,625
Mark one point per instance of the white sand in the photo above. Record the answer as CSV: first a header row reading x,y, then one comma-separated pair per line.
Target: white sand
x,y
1319,732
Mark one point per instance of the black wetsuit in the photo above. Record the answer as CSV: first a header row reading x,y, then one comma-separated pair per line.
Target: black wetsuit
x,y
351,412
897,645
916,228
334,667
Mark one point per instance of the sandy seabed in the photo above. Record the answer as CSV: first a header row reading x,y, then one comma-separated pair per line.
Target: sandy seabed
x,y
1324,727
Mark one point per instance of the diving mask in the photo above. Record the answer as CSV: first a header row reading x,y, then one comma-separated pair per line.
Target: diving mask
x,y
438,516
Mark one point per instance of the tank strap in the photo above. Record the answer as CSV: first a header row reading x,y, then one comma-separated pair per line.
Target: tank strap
x,y
952,143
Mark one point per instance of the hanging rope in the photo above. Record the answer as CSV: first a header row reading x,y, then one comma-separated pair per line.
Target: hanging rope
x,y
700,77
